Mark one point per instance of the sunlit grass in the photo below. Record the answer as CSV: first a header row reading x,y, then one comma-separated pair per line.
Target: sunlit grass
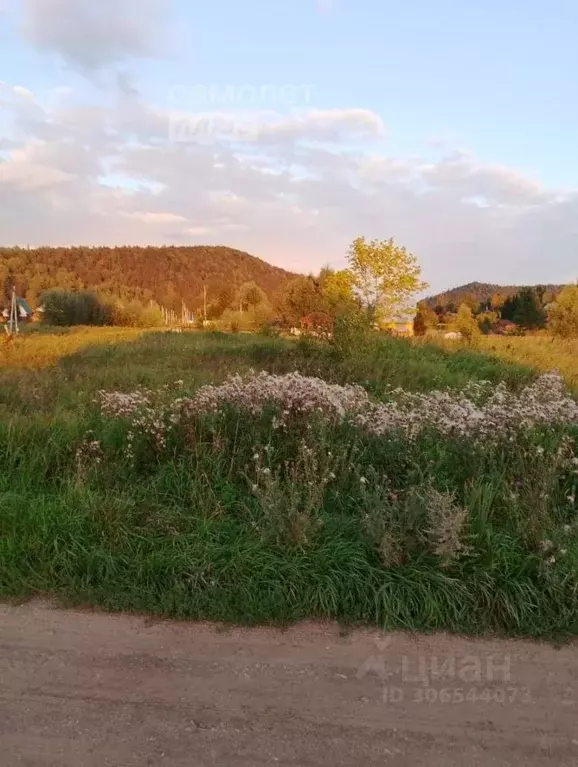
x,y
183,533
539,352
38,347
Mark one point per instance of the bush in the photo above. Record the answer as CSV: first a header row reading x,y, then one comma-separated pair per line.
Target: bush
x,y
563,313
237,321
74,308
466,324
353,331
134,315
67,308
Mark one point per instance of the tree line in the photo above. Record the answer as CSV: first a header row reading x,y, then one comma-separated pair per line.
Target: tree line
x,y
165,275
529,309
140,286
378,285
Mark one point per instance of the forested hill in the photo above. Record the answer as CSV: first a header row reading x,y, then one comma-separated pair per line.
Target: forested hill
x,y
481,292
164,274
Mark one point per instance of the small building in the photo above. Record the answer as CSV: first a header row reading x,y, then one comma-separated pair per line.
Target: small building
x,y
25,313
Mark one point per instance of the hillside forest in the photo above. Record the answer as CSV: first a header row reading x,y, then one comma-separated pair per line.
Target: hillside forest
x,y
135,286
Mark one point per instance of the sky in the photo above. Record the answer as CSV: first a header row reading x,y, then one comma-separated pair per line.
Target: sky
x,y
288,128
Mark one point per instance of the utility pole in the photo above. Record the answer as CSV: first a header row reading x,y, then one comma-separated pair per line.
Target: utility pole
x,y
13,321
205,301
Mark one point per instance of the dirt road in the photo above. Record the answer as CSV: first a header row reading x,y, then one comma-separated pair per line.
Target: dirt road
x,y
81,689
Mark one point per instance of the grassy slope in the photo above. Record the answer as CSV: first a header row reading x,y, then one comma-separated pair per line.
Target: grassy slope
x,y
539,352
184,537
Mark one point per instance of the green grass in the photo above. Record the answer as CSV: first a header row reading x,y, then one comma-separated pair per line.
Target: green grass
x,y
179,532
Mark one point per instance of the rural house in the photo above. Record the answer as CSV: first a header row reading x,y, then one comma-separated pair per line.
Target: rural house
x,y
24,311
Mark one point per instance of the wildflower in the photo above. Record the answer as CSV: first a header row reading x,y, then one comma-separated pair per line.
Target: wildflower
x,y
447,523
480,412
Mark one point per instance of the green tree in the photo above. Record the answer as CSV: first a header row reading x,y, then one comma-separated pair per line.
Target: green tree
x,y
509,308
471,301
486,321
528,311
424,320
563,313
466,323
385,276
63,307
249,296
224,300
9,284
337,290
301,297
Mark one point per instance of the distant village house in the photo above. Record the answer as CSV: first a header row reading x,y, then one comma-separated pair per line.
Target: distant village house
x,y
25,313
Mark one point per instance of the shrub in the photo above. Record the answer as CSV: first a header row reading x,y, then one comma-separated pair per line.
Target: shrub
x,y
67,308
563,313
74,308
353,331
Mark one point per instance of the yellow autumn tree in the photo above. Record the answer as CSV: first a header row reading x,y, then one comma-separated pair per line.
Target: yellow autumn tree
x,y
563,313
337,289
386,277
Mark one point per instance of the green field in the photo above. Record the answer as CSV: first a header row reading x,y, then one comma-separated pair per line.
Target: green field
x,y
540,352
280,499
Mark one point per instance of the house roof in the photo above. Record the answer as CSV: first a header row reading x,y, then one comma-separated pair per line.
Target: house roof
x,y
24,309
23,304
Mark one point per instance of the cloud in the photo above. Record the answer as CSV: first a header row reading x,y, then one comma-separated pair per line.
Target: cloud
x,y
295,191
461,175
146,217
91,35
268,128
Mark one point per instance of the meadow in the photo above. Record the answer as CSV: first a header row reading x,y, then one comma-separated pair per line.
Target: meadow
x,y
541,352
199,475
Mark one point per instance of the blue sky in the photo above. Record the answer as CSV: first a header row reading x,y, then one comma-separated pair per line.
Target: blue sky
x,y
499,76
449,125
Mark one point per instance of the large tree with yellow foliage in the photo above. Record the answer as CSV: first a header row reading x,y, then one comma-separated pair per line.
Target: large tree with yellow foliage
x,y
385,276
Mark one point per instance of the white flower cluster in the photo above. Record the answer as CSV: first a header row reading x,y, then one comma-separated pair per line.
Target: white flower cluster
x,y
137,407
292,393
116,404
542,403
479,411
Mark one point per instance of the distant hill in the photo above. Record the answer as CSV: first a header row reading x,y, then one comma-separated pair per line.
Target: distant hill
x,y
482,292
166,275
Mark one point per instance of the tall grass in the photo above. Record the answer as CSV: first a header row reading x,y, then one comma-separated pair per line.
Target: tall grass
x,y
539,352
237,519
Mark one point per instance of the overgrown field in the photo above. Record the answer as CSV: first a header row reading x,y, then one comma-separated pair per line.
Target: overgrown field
x,y
541,352
393,484
38,346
